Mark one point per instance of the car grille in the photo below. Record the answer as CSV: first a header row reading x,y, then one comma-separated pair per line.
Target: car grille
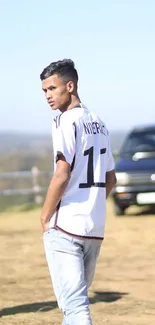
x,y
142,178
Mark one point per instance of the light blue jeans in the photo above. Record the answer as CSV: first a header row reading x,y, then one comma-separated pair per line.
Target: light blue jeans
x,y
71,263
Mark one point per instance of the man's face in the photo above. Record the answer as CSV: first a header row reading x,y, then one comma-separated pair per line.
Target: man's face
x,y
57,92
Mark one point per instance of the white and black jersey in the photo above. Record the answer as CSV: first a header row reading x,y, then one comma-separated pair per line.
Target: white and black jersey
x,y
83,140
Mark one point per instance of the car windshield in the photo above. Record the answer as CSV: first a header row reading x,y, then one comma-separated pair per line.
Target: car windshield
x,y
143,141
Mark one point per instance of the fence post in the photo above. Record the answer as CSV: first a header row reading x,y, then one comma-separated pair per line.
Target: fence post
x,y
35,180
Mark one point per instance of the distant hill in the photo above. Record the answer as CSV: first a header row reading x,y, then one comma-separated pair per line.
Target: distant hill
x,y
20,152
30,143
40,144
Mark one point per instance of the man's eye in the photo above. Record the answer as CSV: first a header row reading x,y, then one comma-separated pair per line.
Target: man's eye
x,y
52,88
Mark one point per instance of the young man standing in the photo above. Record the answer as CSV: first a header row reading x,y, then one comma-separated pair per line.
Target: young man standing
x,y
73,215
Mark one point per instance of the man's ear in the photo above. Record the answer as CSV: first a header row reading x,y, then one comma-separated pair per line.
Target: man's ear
x,y
70,86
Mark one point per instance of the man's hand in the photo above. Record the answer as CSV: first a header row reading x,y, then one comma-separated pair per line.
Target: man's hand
x,y
55,191
110,181
45,226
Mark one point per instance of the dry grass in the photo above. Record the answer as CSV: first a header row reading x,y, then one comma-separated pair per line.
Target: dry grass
x,y
123,292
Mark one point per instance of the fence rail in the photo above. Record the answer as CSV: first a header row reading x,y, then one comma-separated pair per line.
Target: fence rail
x,y
23,174
34,175
24,191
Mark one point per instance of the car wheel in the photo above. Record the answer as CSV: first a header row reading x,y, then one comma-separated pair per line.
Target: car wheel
x,y
119,210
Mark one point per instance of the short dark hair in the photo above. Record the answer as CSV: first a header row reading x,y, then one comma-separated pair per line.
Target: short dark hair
x,y
63,68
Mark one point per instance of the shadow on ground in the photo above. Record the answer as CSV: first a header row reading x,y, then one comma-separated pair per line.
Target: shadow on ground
x,y
143,212
107,297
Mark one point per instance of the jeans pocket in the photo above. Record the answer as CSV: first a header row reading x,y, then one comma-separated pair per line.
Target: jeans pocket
x,y
49,231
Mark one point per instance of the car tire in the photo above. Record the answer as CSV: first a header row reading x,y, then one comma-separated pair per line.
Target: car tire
x,y
119,210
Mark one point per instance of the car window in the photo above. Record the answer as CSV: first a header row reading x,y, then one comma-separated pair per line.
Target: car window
x,y
139,142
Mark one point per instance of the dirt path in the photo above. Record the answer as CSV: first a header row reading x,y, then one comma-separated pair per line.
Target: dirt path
x,y
123,291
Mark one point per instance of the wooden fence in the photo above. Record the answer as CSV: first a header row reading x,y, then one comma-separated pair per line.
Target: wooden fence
x,y
34,180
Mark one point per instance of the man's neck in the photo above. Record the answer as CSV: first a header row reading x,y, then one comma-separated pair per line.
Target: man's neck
x,y
74,102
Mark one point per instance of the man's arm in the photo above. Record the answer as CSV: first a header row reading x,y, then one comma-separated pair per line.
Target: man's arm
x,y
110,181
55,191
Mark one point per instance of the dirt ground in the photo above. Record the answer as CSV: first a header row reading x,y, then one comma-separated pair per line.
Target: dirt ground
x,y
123,291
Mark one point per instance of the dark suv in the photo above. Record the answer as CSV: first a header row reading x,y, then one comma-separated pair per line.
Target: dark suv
x,y
135,170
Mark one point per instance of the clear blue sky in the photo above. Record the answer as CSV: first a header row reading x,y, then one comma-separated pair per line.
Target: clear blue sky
x,y
112,43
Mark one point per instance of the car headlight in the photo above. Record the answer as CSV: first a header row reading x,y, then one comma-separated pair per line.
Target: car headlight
x,y
122,178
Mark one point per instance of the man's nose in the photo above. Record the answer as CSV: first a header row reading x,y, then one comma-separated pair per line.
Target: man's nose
x,y
48,94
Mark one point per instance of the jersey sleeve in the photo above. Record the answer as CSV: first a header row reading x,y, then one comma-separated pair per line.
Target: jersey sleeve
x,y
110,160
64,141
